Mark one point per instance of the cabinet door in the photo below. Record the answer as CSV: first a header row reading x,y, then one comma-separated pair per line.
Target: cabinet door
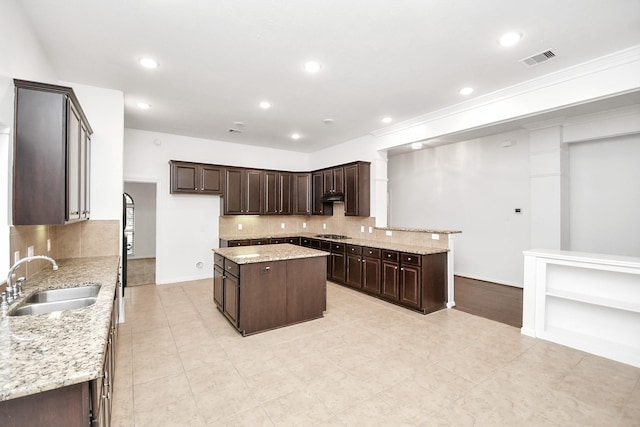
x,y
184,178
371,275
354,271
317,185
356,189
218,286
73,164
410,288
211,179
285,181
338,267
390,280
254,199
302,194
231,294
271,196
85,174
233,195
327,180
338,180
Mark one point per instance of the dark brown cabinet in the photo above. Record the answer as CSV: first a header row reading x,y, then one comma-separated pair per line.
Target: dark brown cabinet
x,y
371,269
356,189
52,150
353,275
278,187
243,191
218,281
302,194
317,186
338,262
196,178
333,180
262,296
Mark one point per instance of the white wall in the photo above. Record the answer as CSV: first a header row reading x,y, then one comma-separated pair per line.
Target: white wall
x,y
187,225
604,180
474,186
144,198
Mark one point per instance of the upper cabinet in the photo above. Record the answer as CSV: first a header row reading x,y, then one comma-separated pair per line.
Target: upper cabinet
x,y
187,177
51,156
357,189
248,191
243,191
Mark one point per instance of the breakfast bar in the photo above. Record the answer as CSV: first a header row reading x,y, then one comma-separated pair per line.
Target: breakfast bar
x,y
259,288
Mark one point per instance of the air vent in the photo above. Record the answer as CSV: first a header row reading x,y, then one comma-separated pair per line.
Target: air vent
x,y
232,130
538,58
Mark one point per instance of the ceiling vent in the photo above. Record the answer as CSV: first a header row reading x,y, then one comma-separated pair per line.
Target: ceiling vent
x,y
538,58
232,130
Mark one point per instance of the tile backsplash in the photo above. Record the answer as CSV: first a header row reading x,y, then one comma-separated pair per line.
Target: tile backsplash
x,y
75,240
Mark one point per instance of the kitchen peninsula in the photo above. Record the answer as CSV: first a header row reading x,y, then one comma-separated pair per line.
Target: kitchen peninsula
x,y
259,288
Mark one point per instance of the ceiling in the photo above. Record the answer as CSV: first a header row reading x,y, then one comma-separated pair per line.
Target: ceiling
x,y
397,58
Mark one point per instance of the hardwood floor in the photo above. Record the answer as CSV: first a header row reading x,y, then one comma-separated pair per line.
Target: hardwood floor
x,y
493,301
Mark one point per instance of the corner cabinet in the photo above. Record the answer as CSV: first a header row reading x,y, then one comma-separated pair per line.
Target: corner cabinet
x,y
196,178
51,156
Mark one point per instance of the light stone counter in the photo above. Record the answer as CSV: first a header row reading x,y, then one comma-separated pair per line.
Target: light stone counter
x,y
267,253
390,245
53,350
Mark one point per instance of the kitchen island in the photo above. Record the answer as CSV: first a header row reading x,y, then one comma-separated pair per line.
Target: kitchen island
x,y
259,288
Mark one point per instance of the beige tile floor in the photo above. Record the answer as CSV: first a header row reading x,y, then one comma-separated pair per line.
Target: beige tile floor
x,y
366,363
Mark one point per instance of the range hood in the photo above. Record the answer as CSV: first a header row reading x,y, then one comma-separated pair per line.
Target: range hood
x,y
331,197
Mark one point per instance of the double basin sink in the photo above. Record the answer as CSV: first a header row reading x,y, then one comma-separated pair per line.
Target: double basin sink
x,y
58,299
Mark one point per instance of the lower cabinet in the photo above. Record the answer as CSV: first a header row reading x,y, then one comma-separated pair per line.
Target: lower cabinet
x,y
371,269
257,297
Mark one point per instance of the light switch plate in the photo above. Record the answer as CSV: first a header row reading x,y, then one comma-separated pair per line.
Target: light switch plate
x,y
48,245
370,229
388,233
362,228
239,226
30,251
282,225
16,256
435,237
324,226
304,225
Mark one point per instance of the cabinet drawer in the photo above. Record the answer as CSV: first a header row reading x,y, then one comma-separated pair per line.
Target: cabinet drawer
x,y
277,240
305,242
412,259
218,260
390,256
231,268
259,241
371,252
354,250
338,248
233,243
293,240
325,246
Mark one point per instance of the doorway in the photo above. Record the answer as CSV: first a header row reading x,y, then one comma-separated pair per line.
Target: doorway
x,y
140,230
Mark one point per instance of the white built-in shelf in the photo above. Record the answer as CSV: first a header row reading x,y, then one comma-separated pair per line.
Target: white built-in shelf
x,y
617,304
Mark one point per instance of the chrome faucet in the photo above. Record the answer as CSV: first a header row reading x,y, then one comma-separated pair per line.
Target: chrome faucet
x,y
12,291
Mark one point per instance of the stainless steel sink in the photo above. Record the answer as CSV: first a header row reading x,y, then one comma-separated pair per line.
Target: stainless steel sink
x,y
48,307
64,294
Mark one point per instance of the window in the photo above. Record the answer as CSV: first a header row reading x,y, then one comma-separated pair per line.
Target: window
x,y
129,228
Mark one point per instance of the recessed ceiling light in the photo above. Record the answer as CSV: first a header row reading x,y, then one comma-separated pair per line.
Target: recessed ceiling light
x,y
468,90
416,145
295,136
510,39
386,120
327,121
238,123
144,105
312,66
148,63
265,105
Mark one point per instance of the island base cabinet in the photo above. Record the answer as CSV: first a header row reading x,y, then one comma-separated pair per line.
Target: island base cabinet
x,y
306,289
263,298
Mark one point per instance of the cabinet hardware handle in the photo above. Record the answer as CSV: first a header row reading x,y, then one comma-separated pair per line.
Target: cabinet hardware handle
x,y
402,269
267,268
396,268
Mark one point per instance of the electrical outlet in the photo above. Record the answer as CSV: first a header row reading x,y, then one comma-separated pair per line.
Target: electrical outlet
x,y
370,229
304,225
239,226
388,233
362,228
48,245
30,251
324,226
282,225
435,237
16,256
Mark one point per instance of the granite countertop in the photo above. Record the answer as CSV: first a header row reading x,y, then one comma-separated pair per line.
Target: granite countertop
x,y
48,351
420,230
266,253
392,246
